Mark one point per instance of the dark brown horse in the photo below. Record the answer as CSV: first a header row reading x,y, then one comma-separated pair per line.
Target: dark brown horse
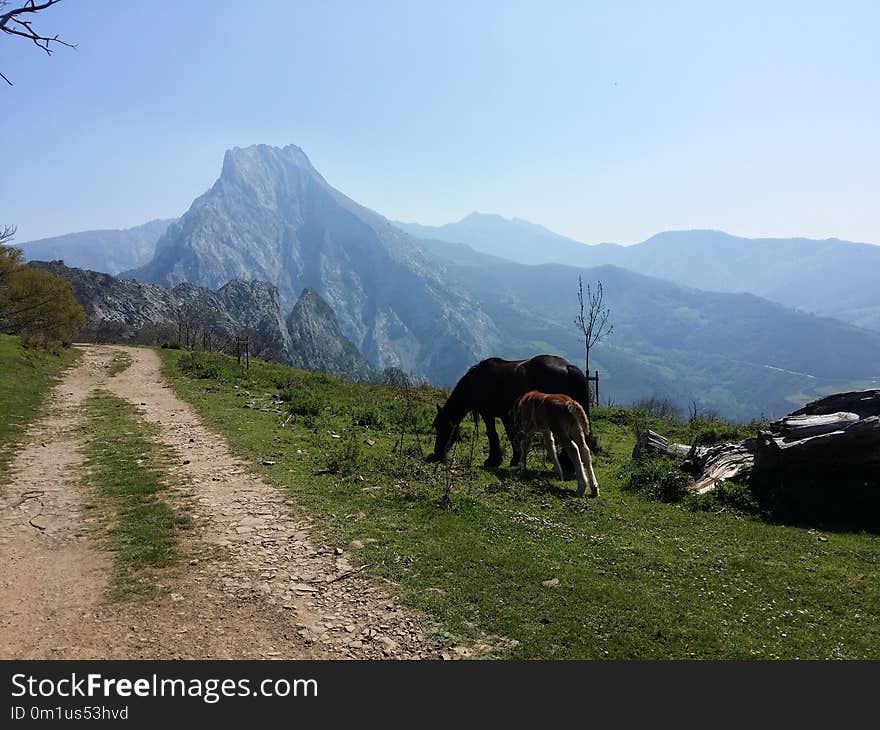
x,y
492,387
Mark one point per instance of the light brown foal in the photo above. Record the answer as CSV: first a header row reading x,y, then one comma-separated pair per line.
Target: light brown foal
x,y
563,418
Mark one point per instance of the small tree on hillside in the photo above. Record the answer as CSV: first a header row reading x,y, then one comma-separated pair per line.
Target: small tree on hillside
x,y
35,304
593,320
16,19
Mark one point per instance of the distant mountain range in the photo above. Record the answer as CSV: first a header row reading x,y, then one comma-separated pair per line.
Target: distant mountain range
x,y
516,240
434,307
831,277
109,251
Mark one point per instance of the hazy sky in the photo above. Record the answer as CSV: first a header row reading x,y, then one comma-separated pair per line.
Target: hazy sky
x,y
603,121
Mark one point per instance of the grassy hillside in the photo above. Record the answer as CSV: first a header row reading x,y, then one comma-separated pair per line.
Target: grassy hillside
x,y
636,577
25,377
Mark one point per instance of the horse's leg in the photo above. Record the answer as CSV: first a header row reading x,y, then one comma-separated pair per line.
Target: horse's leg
x,y
524,450
573,452
494,445
588,460
564,459
550,445
512,437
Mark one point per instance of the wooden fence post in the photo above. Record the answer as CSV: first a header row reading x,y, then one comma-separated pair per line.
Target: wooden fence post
x,y
593,379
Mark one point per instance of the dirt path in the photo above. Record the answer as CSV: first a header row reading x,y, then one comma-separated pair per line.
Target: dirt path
x,y
261,588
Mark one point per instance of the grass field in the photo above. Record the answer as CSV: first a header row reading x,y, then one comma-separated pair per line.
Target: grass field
x,y
130,473
26,376
637,577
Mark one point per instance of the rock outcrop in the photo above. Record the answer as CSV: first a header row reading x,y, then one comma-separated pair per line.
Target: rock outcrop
x,y
126,310
317,342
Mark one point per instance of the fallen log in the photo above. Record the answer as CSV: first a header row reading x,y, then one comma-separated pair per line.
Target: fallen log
x,y
711,465
651,443
840,430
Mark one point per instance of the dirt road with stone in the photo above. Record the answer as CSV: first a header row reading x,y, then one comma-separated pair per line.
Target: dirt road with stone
x,y
263,586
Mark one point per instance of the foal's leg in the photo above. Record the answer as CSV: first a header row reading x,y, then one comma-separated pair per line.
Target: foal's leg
x,y
550,445
494,445
573,452
591,475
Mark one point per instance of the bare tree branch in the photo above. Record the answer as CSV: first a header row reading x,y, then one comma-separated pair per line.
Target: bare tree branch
x,y
7,233
12,23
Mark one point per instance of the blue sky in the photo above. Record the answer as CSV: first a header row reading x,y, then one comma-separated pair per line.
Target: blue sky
x,y
603,121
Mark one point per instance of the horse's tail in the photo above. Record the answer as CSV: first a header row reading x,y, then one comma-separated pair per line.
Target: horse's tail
x,y
580,416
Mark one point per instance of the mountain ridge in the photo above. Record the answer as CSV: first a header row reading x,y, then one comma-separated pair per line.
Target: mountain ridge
x,y
830,277
108,250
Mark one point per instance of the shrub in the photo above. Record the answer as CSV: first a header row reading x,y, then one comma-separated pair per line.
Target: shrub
x,y
203,366
301,402
614,414
736,496
710,433
284,380
173,345
345,459
658,478
368,418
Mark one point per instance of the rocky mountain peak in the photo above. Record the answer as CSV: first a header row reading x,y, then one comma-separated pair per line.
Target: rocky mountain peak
x,y
271,216
241,160
311,301
317,340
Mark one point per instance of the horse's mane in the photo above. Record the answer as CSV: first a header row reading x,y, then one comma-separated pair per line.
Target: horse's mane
x,y
458,403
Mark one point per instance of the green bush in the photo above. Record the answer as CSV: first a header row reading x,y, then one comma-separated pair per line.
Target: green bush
x,y
710,433
301,402
368,418
173,345
614,414
201,365
736,496
285,380
660,479
345,459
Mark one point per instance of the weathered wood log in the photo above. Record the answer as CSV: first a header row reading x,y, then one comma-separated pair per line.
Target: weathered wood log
x,y
711,465
856,444
862,402
840,430
651,443
799,427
